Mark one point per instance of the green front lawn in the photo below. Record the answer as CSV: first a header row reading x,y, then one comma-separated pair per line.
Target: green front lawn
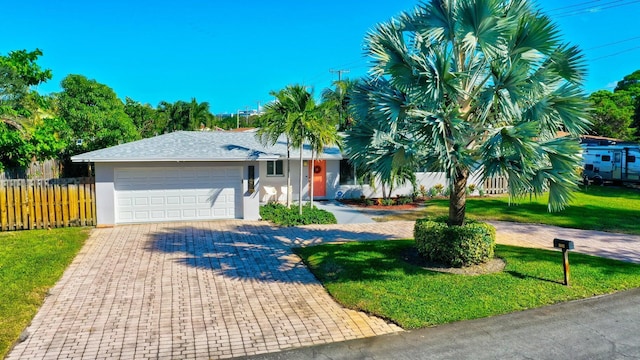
x,y
372,277
597,208
30,264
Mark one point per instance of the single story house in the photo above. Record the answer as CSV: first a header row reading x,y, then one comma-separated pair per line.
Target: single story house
x,y
201,175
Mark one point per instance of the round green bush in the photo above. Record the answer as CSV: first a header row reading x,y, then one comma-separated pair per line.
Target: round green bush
x,y
455,246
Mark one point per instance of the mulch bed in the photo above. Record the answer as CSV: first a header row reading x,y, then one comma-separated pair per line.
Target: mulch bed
x,y
411,256
359,203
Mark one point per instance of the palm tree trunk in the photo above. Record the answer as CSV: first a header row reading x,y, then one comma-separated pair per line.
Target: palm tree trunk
x,y
311,176
288,173
300,189
458,199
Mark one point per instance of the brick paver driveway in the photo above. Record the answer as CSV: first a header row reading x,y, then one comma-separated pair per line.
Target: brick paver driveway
x,y
195,290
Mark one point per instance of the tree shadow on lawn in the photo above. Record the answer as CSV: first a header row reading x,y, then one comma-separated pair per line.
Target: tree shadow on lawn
x,y
252,251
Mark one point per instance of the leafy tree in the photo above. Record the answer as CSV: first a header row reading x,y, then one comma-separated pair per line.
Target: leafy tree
x,y
630,85
612,114
19,105
15,150
457,84
146,119
94,115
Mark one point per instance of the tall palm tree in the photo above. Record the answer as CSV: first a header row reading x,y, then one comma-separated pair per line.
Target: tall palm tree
x,y
340,97
457,84
273,124
321,132
293,113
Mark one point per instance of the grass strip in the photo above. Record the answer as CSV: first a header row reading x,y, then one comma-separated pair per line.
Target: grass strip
x,y
30,264
374,277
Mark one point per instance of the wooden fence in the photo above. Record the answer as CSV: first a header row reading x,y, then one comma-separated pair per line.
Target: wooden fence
x,y
42,204
47,169
496,185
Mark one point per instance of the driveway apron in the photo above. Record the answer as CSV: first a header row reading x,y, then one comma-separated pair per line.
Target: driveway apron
x,y
193,290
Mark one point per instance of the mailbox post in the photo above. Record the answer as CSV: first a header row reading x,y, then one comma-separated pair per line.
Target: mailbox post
x,y
565,245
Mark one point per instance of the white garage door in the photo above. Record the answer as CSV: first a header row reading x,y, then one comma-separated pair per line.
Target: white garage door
x,y
177,193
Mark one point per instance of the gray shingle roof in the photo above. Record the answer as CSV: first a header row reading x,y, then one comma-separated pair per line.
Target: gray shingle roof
x,y
199,146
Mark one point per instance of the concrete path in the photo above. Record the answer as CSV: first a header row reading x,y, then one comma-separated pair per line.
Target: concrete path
x,y
599,243
344,214
224,289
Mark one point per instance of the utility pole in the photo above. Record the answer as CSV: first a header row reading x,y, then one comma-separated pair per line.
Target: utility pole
x,y
339,72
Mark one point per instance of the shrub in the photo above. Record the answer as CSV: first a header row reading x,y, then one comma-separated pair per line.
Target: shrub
x,y
404,200
386,202
437,189
423,191
369,202
284,216
455,246
472,188
481,192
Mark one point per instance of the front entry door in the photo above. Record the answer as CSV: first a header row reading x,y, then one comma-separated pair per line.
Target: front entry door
x,y
319,173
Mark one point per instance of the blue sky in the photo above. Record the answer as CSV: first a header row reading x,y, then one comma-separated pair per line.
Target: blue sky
x,y
233,53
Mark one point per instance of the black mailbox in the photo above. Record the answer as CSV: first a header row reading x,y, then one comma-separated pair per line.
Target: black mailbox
x,y
563,244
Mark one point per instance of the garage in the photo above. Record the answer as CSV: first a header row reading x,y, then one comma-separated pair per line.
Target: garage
x,y
158,194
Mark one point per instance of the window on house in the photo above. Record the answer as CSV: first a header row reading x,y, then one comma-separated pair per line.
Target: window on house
x,y
606,158
275,168
347,173
631,159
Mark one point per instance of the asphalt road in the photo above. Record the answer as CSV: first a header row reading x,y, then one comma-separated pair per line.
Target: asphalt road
x,y
605,327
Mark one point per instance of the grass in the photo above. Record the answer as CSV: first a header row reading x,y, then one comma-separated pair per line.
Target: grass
x,y
372,277
30,264
619,206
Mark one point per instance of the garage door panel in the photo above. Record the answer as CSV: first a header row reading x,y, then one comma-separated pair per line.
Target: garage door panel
x,y
158,194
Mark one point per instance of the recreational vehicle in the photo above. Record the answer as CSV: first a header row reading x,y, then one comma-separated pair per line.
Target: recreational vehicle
x,y
616,163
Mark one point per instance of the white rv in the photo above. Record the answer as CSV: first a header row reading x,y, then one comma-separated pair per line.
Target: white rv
x,y
616,163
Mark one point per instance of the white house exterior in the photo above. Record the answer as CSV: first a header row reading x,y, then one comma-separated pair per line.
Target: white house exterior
x,y
188,175
193,175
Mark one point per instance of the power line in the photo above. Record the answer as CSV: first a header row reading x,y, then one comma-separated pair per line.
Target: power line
x,y
613,43
605,6
616,53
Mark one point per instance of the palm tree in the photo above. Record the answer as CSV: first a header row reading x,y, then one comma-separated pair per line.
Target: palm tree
x,y
199,114
340,99
273,124
294,114
461,84
321,132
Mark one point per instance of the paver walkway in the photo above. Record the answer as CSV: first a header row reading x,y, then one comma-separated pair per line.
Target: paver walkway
x,y
223,289
193,290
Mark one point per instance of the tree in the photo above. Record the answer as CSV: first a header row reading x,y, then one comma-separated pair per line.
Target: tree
x,y
199,114
459,84
94,115
294,114
146,119
340,97
612,114
630,85
19,105
321,132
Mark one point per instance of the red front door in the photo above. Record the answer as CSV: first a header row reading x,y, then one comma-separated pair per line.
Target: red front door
x,y
319,173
